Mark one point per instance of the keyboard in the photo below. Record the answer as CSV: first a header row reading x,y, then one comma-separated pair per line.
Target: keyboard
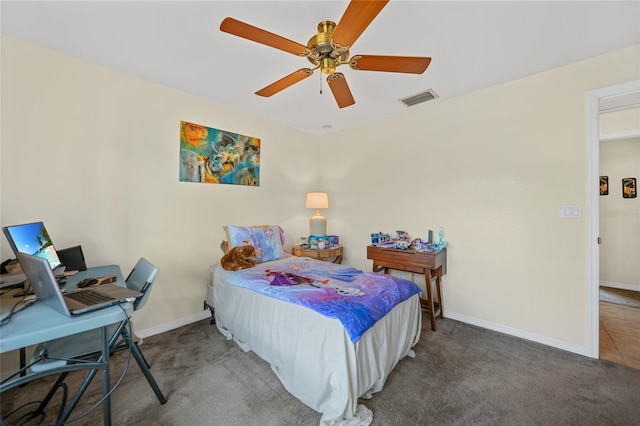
x,y
89,297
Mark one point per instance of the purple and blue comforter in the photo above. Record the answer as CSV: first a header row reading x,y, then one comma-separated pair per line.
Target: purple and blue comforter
x,y
356,298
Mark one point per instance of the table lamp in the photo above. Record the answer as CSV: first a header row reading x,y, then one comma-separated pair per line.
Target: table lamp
x,y
317,223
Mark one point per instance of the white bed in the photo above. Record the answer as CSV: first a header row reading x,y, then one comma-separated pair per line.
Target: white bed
x,y
313,355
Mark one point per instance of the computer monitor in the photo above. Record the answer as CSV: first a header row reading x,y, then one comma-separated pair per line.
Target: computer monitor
x,y
32,238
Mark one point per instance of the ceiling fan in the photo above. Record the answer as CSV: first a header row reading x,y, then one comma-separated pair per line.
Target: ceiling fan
x,y
329,49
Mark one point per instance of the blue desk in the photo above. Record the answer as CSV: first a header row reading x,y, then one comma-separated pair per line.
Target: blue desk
x,y
39,323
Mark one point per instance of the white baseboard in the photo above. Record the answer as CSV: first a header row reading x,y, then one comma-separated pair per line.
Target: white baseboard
x,y
545,340
173,324
622,286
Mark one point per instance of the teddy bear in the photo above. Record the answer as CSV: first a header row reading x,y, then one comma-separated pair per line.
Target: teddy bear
x,y
239,257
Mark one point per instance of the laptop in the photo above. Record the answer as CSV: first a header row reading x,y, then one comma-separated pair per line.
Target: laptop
x,y
47,291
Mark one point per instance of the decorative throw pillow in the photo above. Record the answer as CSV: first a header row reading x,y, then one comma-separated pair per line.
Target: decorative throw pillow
x,y
225,245
266,240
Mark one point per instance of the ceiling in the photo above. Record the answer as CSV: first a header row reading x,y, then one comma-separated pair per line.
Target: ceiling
x,y
473,44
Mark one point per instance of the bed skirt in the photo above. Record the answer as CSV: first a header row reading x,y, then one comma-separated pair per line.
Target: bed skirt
x,y
312,355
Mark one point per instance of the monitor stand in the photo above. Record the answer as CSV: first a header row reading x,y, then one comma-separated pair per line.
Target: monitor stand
x,y
59,270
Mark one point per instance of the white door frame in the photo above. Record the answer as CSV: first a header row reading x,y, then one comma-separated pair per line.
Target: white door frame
x,y
592,208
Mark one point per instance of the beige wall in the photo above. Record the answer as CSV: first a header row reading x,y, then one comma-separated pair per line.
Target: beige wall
x,y
493,168
93,153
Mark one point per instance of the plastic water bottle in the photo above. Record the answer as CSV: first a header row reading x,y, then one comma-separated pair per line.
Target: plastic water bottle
x,y
441,243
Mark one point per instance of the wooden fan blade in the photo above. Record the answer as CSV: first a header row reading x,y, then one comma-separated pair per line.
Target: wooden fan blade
x,y
241,29
408,64
340,89
355,20
285,82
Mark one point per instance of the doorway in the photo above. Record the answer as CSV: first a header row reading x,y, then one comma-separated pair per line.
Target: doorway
x,y
620,239
620,96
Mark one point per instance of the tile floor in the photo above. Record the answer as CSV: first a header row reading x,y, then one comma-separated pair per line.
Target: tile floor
x,y
620,334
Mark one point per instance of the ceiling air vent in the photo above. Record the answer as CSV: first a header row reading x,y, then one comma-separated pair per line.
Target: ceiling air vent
x,y
425,96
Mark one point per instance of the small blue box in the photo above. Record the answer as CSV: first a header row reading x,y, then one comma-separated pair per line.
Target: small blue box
x,y
379,238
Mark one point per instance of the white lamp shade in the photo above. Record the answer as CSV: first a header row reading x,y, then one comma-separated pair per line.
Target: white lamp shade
x,y
317,200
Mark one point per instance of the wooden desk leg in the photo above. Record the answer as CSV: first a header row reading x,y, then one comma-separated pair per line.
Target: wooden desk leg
x,y
432,317
439,296
377,268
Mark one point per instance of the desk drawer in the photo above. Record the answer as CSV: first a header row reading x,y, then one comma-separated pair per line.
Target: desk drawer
x,y
407,260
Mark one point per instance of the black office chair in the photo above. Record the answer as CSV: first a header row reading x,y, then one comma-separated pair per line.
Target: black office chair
x,y
87,346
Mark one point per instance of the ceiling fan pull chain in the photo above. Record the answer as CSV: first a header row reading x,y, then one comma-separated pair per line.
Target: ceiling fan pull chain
x,y
320,83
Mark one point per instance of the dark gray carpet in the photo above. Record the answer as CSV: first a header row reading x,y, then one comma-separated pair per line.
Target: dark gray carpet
x,y
462,375
620,296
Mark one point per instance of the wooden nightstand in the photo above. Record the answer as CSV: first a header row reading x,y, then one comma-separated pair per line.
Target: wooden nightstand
x,y
324,254
429,263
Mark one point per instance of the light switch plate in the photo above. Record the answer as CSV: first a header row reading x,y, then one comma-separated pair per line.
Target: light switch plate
x,y
571,211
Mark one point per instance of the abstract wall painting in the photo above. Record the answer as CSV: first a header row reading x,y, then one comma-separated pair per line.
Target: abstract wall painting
x,y
629,188
210,155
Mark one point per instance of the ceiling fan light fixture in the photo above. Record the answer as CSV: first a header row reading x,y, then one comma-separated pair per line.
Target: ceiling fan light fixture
x,y
328,66
323,55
